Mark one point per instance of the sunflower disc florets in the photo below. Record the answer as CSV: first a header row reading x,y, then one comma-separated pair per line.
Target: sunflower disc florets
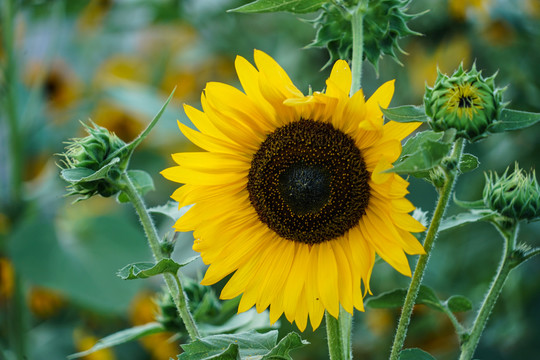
x,y
384,23
464,101
90,155
515,195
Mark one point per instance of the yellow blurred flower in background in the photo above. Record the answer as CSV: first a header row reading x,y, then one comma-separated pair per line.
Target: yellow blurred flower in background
x,y
84,341
44,302
7,279
461,9
144,310
125,123
423,63
94,14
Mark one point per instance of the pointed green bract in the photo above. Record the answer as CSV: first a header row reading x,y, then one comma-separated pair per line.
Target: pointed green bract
x,y
384,23
143,270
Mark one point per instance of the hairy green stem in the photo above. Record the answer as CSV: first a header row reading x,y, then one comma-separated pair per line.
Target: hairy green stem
x,y
10,104
508,262
173,282
357,22
412,293
338,332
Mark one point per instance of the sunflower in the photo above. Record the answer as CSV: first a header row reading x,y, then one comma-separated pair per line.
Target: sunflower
x,y
291,194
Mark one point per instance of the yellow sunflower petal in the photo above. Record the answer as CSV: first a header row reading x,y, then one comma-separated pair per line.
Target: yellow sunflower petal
x,y
380,99
399,131
328,279
339,83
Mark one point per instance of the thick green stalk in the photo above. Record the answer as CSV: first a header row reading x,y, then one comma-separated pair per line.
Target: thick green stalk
x,y
339,335
357,22
173,282
508,262
10,104
412,293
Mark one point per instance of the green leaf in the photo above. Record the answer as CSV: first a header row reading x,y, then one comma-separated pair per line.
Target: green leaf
x,y
396,298
77,255
514,120
419,163
250,345
405,114
415,354
468,163
121,337
143,270
249,320
141,180
426,296
292,6
458,303
171,210
387,300
465,218
77,175
281,351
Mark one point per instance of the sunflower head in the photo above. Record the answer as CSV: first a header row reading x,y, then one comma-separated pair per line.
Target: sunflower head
x,y
465,101
89,155
291,194
515,195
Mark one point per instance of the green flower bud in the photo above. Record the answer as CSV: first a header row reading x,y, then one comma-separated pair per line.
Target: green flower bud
x,y
515,195
168,314
464,101
384,23
88,156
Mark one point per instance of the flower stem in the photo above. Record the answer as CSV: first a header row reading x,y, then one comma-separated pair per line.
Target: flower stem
x,y
173,282
339,335
412,293
508,262
10,104
358,45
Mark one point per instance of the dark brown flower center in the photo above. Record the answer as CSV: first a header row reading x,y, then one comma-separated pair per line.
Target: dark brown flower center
x,y
308,182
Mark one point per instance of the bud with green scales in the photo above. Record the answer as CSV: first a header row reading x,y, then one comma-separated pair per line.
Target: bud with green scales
x,y
90,155
515,195
464,101
384,23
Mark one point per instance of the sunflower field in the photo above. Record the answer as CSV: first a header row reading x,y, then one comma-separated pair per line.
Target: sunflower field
x,y
269,179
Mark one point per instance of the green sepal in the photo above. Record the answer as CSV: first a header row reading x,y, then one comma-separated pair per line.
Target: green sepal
x,y
514,120
141,180
292,6
420,154
143,270
415,354
405,114
468,163
249,344
77,175
467,217
122,337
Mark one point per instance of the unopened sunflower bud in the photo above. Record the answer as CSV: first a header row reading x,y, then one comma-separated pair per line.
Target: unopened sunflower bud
x,y
515,195
92,159
464,101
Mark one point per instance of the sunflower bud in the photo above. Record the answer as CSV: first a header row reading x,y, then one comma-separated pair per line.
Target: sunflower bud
x,y
92,164
384,23
516,196
464,101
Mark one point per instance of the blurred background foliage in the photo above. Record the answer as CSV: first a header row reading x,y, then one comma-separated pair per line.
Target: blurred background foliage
x,y
116,61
